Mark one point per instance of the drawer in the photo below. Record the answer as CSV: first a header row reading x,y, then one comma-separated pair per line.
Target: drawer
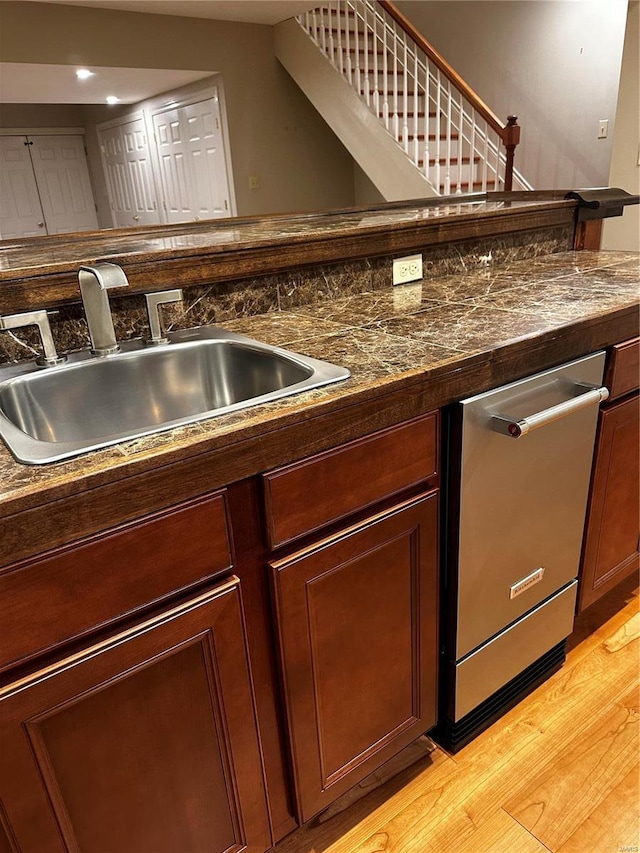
x,y
622,374
78,588
307,495
506,655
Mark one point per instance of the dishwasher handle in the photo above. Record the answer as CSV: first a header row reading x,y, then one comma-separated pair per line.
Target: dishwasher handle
x,y
517,428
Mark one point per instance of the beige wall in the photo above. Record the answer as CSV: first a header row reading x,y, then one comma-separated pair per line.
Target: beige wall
x,y
624,233
39,115
274,132
554,63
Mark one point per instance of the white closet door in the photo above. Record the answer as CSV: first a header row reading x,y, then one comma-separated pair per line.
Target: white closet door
x,y
204,141
60,167
174,166
129,174
115,172
140,172
20,210
192,164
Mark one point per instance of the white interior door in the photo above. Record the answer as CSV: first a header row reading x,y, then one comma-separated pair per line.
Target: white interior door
x,y
62,176
20,209
174,171
204,142
129,174
192,163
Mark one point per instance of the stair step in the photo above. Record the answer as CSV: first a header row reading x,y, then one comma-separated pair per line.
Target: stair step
x,y
432,137
464,186
454,161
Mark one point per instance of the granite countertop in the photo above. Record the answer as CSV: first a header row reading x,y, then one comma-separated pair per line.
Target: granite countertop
x,y
388,339
46,256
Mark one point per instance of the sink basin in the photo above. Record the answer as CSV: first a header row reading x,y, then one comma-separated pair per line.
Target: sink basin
x,y
51,414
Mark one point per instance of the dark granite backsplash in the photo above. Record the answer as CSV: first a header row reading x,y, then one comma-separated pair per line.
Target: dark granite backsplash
x,y
222,302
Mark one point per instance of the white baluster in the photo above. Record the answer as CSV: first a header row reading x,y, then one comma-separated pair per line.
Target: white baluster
x,y
376,70
405,95
447,165
485,158
396,123
414,123
332,43
427,103
323,31
358,74
367,78
436,125
460,138
385,75
472,145
340,52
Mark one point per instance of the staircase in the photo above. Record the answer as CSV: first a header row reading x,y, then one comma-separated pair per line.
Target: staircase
x,y
406,117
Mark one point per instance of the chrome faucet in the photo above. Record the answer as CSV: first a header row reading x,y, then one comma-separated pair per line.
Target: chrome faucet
x,y
94,282
41,320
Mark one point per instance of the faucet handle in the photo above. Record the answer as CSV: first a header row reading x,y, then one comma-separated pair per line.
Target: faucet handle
x,y
156,327
41,320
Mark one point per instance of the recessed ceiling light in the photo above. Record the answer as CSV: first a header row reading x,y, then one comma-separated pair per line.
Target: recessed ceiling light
x,y
83,73
111,99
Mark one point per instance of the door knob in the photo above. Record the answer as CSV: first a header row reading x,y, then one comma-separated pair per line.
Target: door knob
x,y
40,224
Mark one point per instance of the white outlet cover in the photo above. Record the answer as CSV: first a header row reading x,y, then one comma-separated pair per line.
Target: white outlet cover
x,y
407,269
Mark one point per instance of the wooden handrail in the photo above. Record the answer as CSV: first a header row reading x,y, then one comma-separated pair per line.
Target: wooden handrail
x,y
478,104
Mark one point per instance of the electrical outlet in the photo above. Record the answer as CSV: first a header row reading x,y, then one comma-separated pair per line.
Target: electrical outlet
x,y
603,128
407,269
254,182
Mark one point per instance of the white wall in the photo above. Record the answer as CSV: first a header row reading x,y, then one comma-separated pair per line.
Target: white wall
x,y
553,63
624,232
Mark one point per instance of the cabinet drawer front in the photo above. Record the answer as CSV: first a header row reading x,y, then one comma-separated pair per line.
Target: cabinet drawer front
x,y
357,631
306,495
623,368
80,587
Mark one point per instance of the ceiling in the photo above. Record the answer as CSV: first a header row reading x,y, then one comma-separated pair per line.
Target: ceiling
x,y
22,83
247,11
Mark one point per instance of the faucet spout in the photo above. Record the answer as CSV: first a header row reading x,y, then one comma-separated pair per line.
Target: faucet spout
x,y
95,281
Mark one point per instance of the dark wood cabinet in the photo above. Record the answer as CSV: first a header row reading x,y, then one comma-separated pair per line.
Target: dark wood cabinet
x,y
610,551
140,705
146,741
357,629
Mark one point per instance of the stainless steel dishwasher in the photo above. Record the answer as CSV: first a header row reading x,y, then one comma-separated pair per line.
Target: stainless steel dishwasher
x,y
518,490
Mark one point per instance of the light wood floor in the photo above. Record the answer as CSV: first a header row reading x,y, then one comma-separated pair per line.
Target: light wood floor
x,y
557,773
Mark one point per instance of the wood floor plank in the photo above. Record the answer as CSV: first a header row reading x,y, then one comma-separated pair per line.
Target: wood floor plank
x,y
629,632
614,825
501,834
559,799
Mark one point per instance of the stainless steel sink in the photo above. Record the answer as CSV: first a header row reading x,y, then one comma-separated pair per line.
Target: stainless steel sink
x,y
51,414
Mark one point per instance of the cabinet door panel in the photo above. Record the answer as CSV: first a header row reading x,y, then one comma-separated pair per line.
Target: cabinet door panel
x,y
357,631
146,742
611,544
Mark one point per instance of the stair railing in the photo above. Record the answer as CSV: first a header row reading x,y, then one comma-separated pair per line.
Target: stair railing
x,y
448,132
